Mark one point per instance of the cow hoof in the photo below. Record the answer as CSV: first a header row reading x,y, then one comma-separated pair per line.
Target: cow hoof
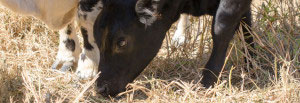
x,y
209,79
66,66
85,73
87,67
86,70
55,64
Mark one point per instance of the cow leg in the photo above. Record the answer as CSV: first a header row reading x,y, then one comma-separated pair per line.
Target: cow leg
x,y
179,35
69,48
89,58
225,22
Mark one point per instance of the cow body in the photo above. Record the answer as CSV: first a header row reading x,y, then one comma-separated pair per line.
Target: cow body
x,y
129,34
60,15
56,14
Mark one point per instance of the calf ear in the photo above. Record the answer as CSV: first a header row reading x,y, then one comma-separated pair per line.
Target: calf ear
x,y
147,11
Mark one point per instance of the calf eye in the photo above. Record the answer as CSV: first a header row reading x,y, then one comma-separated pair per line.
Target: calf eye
x,y
122,42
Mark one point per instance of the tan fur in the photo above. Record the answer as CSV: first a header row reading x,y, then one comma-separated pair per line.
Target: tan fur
x,y
56,14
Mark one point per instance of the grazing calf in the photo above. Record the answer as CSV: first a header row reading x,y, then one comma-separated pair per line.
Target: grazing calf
x,y
60,15
129,33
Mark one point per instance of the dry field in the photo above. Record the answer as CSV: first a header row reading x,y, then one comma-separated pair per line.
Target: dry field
x,y
28,48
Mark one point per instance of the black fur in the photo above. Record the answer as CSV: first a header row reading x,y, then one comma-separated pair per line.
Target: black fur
x,y
69,30
84,16
145,29
86,43
87,5
70,44
83,57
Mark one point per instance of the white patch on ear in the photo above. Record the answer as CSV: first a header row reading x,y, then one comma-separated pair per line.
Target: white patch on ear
x,y
146,13
148,17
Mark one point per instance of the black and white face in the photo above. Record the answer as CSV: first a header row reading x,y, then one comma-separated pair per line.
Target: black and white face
x,y
126,44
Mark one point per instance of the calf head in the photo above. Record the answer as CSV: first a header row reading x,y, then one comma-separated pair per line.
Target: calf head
x,y
129,34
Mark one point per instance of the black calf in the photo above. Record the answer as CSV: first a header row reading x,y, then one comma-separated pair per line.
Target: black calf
x,y
129,34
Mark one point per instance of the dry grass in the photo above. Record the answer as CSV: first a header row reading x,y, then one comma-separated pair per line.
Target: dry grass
x,y
27,50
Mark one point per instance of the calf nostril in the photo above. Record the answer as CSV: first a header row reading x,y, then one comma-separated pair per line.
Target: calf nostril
x,y
103,90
